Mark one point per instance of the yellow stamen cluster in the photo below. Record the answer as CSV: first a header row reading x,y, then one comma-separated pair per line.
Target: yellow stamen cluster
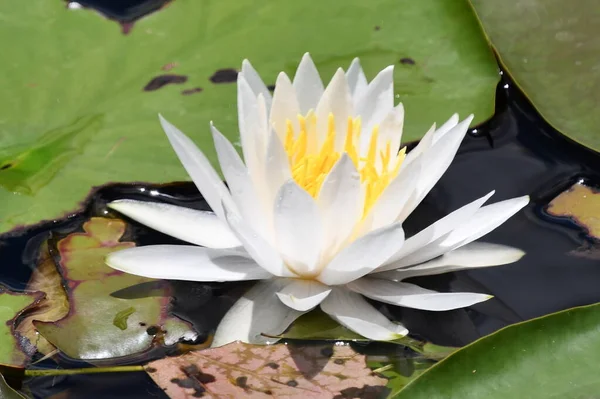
x,y
311,164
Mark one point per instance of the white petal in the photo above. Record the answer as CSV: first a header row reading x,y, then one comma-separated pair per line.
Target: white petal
x,y
303,295
255,82
196,227
357,81
363,255
445,128
308,84
239,181
252,125
395,196
423,146
413,296
376,104
355,313
285,107
198,167
390,130
341,203
257,312
336,100
258,248
472,256
298,228
186,262
435,162
432,233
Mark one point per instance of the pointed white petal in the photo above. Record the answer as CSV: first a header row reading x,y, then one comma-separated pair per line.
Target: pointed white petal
x,y
341,203
239,181
336,100
198,167
482,222
308,84
423,146
472,256
376,104
431,234
285,107
445,128
196,227
413,296
390,130
355,313
257,312
303,295
435,162
255,82
298,228
396,195
258,248
252,125
363,255
357,81
186,262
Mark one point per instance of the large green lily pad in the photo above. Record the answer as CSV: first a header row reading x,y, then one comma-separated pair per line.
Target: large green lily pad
x,y
555,356
551,51
12,304
75,115
111,313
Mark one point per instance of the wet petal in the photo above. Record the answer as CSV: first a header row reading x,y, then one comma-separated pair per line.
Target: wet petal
x,y
196,227
303,295
413,296
308,84
298,228
363,255
353,312
185,262
199,168
257,312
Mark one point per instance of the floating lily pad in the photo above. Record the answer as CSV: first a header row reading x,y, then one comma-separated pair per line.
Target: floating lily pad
x,y
6,392
555,356
54,306
551,52
581,204
82,110
240,370
111,314
12,304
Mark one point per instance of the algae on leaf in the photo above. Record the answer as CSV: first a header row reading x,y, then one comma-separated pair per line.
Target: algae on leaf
x,y
75,98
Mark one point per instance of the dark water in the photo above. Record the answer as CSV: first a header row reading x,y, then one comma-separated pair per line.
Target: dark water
x,y
515,153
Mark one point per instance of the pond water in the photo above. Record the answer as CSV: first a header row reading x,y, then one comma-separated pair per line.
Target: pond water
x,y
515,153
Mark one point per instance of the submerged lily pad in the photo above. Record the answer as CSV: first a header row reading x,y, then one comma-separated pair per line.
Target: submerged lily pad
x,y
54,306
551,52
99,297
555,356
12,304
580,203
76,114
240,370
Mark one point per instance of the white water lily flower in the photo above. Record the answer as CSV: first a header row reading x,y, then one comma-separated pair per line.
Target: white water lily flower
x,y
316,210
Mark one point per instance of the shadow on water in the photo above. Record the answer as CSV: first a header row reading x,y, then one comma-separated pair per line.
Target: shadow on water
x,y
515,153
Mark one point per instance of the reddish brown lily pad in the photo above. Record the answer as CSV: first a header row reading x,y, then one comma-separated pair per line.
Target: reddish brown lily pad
x,y
581,204
12,305
240,370
112,314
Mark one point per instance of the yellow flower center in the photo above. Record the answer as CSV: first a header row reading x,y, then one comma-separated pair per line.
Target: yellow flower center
x,y
310,164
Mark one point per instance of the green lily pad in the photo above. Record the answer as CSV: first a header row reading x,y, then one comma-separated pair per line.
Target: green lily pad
x,y
6,392
555,356
551,52
100,298
75,113
12,304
